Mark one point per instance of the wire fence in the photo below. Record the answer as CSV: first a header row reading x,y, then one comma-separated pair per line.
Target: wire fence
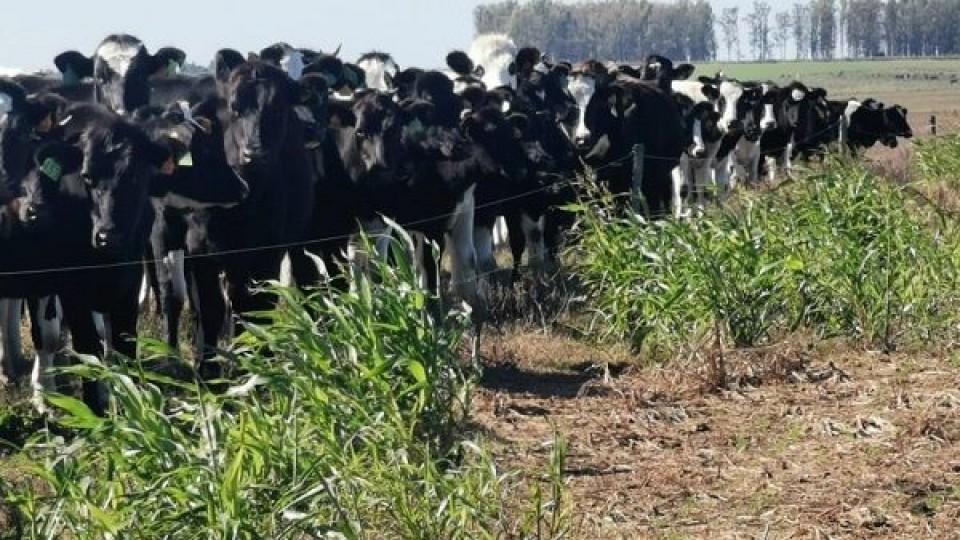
x,y
563,179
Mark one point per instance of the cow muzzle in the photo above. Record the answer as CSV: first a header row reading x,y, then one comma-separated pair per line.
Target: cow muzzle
x,y
107,239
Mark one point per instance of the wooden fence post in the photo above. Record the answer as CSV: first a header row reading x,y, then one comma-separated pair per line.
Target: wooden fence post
x,y
636,179
933,124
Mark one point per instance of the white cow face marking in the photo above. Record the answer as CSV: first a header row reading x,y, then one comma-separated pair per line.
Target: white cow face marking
x,y
730,93
582,87
6,104
292,63
379,73
699,147
495,52
769,120
119,55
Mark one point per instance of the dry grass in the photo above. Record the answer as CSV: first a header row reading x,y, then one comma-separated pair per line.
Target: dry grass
x,y
804,443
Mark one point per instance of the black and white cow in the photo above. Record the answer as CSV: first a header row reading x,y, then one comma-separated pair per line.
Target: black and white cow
x,y
758,102
701,143
198,178
101,217
868,122
619,116
25,123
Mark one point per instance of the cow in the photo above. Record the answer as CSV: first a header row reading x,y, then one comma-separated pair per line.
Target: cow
x,y
264,139
380,69
622,116
758,101
701,142
201,179
102,219
540,108
868,122
27,121
817,123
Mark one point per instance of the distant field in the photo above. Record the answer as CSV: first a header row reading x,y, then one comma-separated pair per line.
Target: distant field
x,y
925,86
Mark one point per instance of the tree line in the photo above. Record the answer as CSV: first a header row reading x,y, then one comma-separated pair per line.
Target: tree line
x,y
689,29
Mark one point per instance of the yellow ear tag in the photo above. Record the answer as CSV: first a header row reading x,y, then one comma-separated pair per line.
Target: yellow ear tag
x,y
186,160
46,124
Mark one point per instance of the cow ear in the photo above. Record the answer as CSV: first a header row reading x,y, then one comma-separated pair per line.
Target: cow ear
x,y
73,67
707,80
472,127
12,96
683,71
710,92
225,61
520,124
313,88
58,159
168,60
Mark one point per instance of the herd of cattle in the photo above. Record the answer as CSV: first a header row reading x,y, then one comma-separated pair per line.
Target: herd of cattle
x,y
121,163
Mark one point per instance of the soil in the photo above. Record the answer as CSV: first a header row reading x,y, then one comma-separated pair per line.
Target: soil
x,y
800,442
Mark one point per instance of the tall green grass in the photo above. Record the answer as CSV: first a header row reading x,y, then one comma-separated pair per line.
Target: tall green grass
x,y
840,252
348,422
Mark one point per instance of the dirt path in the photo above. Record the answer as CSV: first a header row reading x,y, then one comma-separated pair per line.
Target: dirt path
x,y
808,444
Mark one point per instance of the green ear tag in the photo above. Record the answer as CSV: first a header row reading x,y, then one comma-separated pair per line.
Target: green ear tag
x,y
172,67
70,77
416,126
186,160
51,169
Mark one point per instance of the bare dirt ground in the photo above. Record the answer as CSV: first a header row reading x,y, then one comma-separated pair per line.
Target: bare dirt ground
x,y
804,442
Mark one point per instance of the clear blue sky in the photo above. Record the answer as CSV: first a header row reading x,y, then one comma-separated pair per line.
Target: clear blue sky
x,y
417,32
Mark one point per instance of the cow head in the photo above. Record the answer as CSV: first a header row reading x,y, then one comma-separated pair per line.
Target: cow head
x,y
582,85
406,81
729,92
122,68
260,99
119,161
28,121
661,69
490,130
197,174
287,58
895,125
422,137
699,125
379,68
377,130
41,187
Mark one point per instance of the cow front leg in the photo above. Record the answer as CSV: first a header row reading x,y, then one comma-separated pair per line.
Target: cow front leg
x,y
210,313
533,233
459,236
49,318
11,348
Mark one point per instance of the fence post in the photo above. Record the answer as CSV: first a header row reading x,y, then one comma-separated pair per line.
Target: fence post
x,y
636,179
933,124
